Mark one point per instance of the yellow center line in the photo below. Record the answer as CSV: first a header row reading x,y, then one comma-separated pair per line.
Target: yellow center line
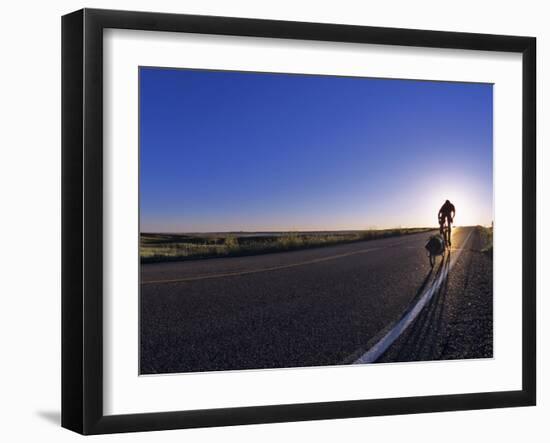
x,y
254,271
276,268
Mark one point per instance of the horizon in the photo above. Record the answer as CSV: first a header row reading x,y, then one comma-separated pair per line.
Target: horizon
x,y
224,151
304,231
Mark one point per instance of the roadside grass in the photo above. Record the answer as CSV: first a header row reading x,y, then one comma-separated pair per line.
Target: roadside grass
x,y
487,240
178,247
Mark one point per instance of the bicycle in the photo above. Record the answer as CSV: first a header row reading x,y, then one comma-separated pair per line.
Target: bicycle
x,y
446,232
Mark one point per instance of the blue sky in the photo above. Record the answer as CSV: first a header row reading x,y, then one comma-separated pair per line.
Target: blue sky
x,y
237,151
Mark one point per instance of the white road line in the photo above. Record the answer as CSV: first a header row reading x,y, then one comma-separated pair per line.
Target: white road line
x,y
387,340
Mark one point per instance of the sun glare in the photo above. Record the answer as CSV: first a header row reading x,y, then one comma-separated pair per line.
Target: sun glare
x,y
469,211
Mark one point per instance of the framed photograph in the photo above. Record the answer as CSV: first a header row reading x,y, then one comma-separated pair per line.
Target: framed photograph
x,y
269,221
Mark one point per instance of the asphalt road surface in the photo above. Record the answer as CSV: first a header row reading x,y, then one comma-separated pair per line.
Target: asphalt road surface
x,y
373,301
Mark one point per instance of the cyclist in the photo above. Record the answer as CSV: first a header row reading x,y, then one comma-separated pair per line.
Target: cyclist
x,y
447,212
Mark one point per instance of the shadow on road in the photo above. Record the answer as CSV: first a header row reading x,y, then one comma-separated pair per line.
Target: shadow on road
x,y
425,338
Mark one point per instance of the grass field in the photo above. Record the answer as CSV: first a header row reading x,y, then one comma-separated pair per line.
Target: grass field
x,y
487,238
176,247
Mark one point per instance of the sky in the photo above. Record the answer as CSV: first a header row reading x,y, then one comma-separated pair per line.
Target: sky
x,y
243,151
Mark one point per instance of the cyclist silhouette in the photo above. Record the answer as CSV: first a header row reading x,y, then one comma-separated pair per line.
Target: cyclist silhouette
x,y
446,213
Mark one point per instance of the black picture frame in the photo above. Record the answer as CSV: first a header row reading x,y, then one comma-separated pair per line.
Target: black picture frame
x,y
82,216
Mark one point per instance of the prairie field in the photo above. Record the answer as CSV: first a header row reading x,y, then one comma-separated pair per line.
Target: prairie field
x,y
158,247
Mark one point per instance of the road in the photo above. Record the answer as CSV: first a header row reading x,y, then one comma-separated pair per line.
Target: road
x,y
372,301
